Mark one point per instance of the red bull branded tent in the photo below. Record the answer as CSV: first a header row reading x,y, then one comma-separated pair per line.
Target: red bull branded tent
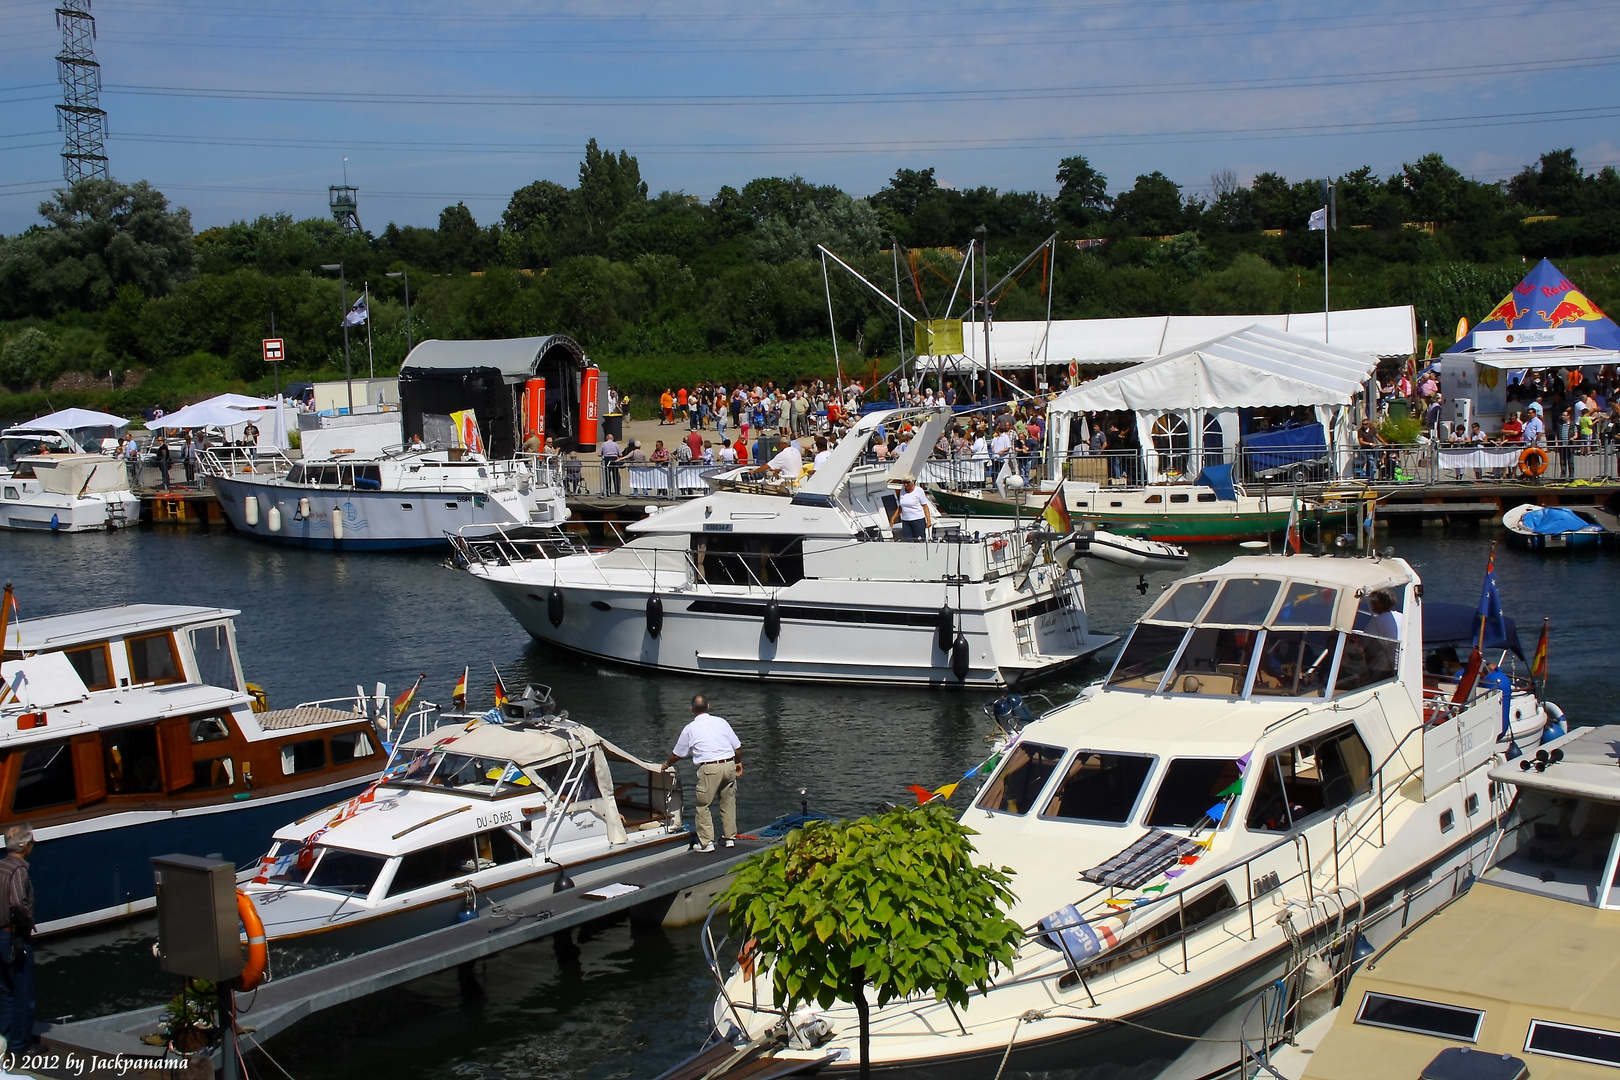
x,y
1545,322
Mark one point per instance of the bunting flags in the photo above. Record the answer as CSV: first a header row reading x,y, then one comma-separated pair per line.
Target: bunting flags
x,y
458,696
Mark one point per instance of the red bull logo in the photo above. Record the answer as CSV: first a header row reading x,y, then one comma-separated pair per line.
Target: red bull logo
x,y
1572,308
1507,311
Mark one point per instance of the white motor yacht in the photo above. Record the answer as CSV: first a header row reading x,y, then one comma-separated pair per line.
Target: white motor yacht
x,y
1258,785
54,476
790,579
468,814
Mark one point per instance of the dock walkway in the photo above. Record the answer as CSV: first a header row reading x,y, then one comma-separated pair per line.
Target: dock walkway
x,y
281,1003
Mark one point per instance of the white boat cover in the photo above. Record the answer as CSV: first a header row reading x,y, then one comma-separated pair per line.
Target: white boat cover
x,y
1382,332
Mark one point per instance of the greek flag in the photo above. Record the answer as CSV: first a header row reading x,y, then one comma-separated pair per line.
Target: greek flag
x,y
359,313
1318,221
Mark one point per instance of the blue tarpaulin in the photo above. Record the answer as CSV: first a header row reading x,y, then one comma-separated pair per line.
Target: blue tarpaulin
x,y
1218,478
1458,624
1283,447
1551,520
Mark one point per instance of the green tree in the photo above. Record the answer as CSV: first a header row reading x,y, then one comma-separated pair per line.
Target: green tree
x,y
30,357
608,186
1153,206
1083,198
99,234
894,903
542,203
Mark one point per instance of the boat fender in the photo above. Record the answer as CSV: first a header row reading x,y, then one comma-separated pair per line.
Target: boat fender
x,y
959,658
945,630
250,510
274,519
1555,728
303,509
258,953
337,522
554,606
655,616
773,619
1316,996
56,523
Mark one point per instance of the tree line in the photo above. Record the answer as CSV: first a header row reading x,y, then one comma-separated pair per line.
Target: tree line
x,y
115,285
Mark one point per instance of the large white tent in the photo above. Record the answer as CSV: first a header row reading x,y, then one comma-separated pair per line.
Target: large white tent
x,y
1384,332
1205,386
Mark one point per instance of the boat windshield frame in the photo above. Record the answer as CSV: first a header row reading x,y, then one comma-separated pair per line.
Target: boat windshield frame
x,y
425,772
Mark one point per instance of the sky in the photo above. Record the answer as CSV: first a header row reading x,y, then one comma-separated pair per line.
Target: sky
x,y
236,109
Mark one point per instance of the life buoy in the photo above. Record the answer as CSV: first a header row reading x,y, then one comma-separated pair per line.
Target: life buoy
x,y
773,619
554,606
1533,462
655,616
258,955
945,629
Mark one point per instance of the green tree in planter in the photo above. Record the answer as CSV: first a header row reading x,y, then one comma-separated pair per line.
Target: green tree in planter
x,y
892,902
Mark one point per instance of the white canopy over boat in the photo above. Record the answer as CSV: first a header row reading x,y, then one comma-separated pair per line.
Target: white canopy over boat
x,y
73,419
1206,384
231,411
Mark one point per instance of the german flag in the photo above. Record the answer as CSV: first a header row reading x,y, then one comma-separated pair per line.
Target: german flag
x,y
458,696
1538,659
1056,513
501,696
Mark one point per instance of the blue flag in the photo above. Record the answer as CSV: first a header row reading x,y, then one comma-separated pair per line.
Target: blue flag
x,y
1490,602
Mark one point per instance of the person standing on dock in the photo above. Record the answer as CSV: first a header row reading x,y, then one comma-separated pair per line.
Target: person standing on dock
x,y
16,948
162,459
715,751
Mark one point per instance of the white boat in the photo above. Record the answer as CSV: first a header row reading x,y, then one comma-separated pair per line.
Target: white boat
x,y
129,732
54,476
469,814
386,500
1130,554
1253,787
803,581
1552,528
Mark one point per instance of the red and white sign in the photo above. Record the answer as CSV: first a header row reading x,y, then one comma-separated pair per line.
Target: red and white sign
x,y
274,350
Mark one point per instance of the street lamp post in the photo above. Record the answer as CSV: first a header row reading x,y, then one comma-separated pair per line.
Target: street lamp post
x,y
409,342
343,284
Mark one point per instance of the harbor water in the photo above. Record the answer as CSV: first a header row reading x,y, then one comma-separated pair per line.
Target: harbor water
x,y
615,1000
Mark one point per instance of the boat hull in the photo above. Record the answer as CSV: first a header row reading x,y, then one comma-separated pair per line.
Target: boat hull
x,y
1190,528
371,520
1569,541
704,635
99,869
114,510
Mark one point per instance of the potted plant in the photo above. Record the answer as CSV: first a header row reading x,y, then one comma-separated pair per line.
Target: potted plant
x,y
191,1017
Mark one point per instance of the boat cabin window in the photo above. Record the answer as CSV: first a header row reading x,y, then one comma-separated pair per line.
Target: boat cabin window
x,y
1366,660
211,774
1022,777
1295,663
153,658
454,859
1305,604
305,755
1178,498
209,729
1243,602
349,872
295,475
465,773
497,847
45,778
1215,662
1154,499
1317,775
1200,912
1191,788
131,758
1183,603
1100,787
1562,847
216,665
351,746
94,665
733,559
1146,656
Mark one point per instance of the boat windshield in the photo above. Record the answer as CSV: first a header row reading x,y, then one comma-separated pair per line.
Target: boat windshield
x,y
1562,847
464,773
13,447
322,867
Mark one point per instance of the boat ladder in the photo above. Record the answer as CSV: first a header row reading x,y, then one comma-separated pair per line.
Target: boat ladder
x,y
565,793
115,512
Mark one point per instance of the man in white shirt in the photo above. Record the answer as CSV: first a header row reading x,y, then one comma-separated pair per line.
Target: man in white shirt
x,y
1001,445
823,451
1535,432
789,459
912,512
714,748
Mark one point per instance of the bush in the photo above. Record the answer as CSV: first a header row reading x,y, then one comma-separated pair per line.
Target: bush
x,y
30,357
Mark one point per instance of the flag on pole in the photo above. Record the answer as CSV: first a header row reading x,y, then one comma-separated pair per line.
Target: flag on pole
x,y
1318,222
403,701
1292,539
1538,659
358,314
501,696
1490,603
1056,513
458,696
1428,350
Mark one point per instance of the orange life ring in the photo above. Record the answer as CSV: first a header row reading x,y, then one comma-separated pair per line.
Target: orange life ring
x,y
1533,462
258,957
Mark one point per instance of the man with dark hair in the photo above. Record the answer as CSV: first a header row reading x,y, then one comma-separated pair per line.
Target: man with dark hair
x,y
16,950
714,749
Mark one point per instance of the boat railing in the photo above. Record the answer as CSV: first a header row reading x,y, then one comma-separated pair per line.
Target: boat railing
x,y
243,461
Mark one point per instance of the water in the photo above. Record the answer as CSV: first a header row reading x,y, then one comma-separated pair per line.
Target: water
x,y
617,1001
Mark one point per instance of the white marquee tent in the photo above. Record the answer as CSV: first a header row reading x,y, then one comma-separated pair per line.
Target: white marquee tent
x,y
1382,332
1206,384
